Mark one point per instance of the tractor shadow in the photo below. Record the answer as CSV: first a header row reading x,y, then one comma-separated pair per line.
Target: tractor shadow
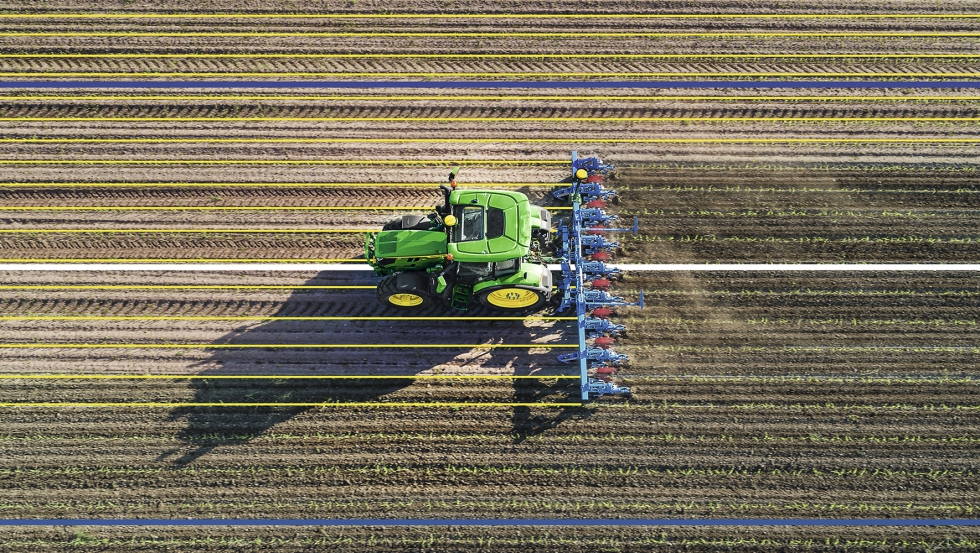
x,y
207,427
528,422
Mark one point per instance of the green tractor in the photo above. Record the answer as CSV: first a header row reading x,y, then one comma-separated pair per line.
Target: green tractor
x,y
481,243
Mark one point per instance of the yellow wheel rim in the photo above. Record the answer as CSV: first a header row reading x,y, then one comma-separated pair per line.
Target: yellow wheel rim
x,y
512,298
405,300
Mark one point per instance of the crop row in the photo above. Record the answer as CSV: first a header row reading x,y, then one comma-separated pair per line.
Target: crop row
x,y
796,322
652,109
18,301
438,541
806,169
524,539
843,190
868,214
693,407
354,508
313,131
434,471
515,24
576,42
83,312
833,436
92,161
943,381
881,17
856,293
593,133
632,69
910,239
75,176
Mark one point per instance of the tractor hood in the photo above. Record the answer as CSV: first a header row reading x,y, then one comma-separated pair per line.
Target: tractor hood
x,y
410,243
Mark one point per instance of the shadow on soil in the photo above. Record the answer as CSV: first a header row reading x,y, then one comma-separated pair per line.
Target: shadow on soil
x,y
209,427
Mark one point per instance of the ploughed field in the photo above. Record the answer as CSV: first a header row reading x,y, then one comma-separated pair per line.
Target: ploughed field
x,y
177,394
763,395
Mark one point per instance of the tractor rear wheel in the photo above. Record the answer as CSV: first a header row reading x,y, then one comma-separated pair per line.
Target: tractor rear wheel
x,y
406,291
512,298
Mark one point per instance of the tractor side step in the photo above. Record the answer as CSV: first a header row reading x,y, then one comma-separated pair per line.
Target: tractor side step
x,y
461,296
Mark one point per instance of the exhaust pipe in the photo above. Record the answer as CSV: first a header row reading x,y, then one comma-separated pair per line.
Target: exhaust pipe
x,y
446,191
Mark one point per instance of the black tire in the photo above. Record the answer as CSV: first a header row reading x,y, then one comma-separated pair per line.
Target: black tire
x,y
394,291
407,222
487,298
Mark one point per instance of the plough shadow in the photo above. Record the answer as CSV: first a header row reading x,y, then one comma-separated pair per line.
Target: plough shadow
x,y
209,426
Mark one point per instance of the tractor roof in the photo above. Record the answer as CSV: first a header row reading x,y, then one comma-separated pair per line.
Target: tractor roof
x,y
484,197
492,225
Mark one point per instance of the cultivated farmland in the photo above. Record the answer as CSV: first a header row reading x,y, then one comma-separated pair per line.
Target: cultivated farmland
x,y
212,394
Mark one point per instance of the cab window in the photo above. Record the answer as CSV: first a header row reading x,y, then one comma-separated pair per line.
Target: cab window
x,y
470,225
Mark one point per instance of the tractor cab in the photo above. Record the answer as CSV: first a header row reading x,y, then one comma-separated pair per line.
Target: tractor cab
x,y
490,225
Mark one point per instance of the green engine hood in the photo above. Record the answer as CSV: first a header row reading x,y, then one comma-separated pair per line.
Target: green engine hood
x,y
410,243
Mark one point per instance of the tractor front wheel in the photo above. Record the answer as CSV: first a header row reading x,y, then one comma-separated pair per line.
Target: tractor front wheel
x,y
406,291
512,298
